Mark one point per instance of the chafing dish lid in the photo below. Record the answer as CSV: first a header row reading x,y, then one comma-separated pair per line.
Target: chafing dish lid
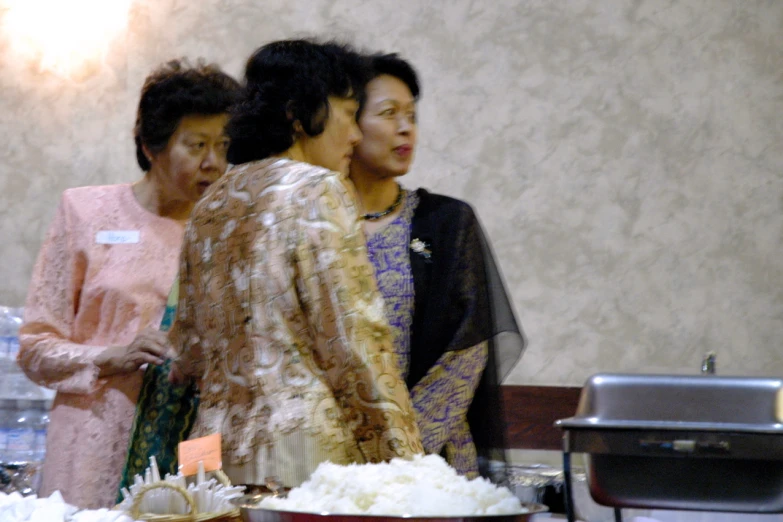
x,y
679,402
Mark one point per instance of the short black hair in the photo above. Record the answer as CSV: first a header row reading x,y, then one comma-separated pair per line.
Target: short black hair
x,y
175,90
391,64
288,81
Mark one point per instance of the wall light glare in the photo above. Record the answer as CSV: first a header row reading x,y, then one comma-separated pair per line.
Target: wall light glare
x,y
62,36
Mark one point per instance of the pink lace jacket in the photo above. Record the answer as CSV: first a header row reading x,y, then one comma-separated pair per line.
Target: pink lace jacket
x,y
103,274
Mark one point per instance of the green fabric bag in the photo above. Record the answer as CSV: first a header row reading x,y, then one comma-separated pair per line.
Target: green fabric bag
x,y
164,414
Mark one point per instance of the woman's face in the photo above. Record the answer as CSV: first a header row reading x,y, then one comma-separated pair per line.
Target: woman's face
x,y
388,123
334,147
194,157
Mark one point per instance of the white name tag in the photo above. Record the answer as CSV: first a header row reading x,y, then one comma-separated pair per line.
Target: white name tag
x,y
117,237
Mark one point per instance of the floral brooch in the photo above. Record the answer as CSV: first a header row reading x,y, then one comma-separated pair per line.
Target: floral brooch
x,y
421,248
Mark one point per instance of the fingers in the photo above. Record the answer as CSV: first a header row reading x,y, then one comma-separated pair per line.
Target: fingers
x,y
170,352
154,343
147,358
157,350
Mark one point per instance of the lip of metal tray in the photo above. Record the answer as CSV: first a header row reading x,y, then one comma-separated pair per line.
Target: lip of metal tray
x,y
667,402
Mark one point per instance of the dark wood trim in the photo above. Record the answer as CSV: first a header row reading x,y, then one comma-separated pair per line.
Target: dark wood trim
x,y
530,413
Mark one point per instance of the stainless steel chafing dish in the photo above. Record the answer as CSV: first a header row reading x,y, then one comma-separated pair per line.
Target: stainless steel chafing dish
x,y
698,442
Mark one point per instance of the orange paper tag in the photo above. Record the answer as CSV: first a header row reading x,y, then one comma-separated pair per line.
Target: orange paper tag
x,y
205,449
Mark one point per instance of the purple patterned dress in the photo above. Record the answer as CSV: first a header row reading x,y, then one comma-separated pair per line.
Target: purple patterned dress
x,y
442,398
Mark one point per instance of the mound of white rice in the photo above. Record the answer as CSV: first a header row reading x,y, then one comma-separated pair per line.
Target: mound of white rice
x,y
424,486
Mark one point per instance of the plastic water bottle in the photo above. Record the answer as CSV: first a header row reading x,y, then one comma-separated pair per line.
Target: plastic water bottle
x,y
15,385
20,443
6,413
40,425
6,327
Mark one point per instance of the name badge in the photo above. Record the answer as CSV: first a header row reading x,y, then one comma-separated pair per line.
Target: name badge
x,y
117,237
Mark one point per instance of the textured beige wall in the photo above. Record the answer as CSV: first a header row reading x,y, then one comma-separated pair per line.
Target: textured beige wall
x,y
626,156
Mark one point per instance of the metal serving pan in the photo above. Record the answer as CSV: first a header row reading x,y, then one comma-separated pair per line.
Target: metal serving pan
x,y
681,442
252,513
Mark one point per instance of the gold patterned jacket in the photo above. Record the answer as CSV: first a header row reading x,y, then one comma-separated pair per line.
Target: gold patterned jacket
x,y
281,322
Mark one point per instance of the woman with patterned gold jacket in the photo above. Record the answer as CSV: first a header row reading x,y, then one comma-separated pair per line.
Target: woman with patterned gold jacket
x,y
454,329
279,320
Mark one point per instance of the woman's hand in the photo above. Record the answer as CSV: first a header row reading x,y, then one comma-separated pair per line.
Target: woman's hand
x,y
151,346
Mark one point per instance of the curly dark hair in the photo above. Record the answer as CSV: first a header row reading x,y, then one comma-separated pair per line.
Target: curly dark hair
x,y
175,90
392,65
288,81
